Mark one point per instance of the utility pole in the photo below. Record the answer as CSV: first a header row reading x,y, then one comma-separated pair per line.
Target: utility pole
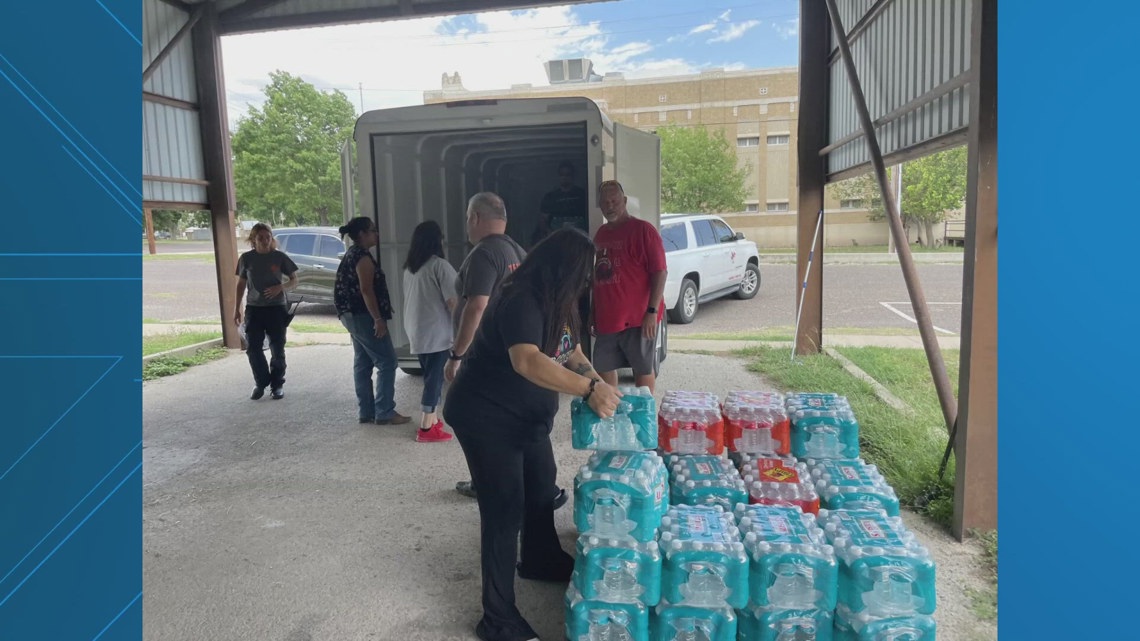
x,y
896,183
360,85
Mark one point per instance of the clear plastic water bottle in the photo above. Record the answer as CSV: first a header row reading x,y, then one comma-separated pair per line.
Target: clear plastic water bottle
x,y
596,620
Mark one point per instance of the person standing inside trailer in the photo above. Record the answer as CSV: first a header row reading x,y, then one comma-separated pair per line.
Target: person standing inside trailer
x,y
564,206
629,284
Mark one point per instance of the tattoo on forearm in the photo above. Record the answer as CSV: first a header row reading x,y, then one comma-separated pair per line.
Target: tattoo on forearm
x,y
583,369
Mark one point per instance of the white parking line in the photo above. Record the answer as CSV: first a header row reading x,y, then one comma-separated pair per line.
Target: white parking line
x,y
937,328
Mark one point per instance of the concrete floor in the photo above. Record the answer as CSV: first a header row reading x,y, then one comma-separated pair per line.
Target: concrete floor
x,y
287,520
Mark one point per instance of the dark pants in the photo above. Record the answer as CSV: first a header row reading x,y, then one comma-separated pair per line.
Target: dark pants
x,y
516,482
261,322
432,365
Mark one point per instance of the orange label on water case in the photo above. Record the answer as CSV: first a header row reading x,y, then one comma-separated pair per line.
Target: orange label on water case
x,y
772,469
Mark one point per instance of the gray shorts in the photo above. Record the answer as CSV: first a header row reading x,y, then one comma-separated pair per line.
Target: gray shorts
x,y
627,348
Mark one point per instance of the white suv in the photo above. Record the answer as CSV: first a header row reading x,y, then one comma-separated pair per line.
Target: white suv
x,y
706,260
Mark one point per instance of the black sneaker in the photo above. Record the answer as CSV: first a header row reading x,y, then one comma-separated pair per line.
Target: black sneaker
x,y
560,498
466,488
258,392
277,393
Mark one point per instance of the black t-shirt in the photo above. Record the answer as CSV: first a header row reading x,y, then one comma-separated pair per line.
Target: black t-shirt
x,y
484,269
488,393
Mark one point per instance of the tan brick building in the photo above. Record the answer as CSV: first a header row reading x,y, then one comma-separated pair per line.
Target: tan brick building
x,y
756,110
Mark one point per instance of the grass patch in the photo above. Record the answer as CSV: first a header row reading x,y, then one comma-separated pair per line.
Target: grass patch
x,y
206,256
788,333
984,602
316,328
872,249
907,449
155,321
163,342
171,365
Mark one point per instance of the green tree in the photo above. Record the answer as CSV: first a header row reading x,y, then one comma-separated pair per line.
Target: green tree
x,y
934,185
699,171
287,153
167,220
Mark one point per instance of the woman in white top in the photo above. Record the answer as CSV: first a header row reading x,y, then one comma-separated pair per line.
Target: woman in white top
x,y
429,300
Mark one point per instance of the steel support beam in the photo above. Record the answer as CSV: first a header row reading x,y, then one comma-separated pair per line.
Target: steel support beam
x,y
914,286
217,160
812,136
975,444
189,24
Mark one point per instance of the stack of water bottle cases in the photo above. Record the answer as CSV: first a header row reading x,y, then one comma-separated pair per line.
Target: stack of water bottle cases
x,y
792,537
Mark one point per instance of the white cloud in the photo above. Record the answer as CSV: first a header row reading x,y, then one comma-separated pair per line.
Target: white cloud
x,y
701,28
724,16
788,29
735,31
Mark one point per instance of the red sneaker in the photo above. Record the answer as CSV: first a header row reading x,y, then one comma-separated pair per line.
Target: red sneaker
x,y
433,434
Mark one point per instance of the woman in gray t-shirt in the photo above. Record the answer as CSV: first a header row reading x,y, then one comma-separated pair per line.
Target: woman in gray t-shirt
x,y
429,301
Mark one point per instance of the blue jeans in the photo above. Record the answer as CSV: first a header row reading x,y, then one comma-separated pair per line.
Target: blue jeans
x,y
370,352
433,365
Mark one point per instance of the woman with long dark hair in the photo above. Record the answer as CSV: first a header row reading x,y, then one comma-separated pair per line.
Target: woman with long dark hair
x,y
502,407
429,300
364,308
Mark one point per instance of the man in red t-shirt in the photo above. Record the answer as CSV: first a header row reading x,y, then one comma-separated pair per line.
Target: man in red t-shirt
x,y
629,282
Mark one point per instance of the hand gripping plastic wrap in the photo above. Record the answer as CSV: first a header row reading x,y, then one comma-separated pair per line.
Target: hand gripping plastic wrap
x,y
704,562
756,423
756,623
883,570
704,479
823,426
621,495
792,565
632,427
618,570
852,484
690,423
779,481
596,620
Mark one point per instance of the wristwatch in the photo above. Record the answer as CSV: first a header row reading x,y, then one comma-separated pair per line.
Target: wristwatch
x,y
589,392
651,310
455,357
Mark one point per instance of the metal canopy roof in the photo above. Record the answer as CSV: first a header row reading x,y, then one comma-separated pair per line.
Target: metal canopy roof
x,y
250,16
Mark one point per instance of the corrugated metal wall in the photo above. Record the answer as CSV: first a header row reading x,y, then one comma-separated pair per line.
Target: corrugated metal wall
x,y
909,49
172,143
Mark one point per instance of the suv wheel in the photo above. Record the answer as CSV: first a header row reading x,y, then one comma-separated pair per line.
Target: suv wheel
x,y
686,309
750,283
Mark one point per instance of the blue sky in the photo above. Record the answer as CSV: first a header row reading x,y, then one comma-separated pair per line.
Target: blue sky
x,y
391,64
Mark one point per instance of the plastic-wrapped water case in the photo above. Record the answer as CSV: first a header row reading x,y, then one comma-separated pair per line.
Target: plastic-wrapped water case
x,y
621,495
705,564
825,433
618,570
596,620
703,479
852,484
815,401
632,427
851,626
792,565
779,481
883,569
690,423
692,623
756,623
756,422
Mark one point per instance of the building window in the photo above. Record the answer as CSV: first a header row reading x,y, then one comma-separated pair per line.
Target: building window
x,y
780,206
689,114
750,141
661,98
736,111
780,139
752,208
792,107
662,115
851,203
763,91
